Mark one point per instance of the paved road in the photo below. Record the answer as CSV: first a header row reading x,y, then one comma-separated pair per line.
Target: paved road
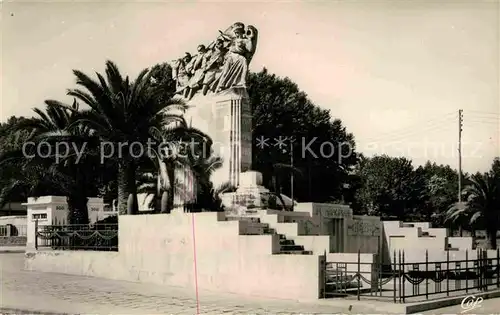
x,y
491,306
59,293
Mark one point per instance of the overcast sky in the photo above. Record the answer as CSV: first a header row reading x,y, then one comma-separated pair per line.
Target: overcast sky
x,y
395,72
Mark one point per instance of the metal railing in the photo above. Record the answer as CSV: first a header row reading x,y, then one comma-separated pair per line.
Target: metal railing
x,y
403,281
97,237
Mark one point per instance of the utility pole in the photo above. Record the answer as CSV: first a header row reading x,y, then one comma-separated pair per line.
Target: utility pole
x,y
291,177
460,125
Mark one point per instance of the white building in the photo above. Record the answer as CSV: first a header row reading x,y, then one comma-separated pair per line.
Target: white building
x,y
53,210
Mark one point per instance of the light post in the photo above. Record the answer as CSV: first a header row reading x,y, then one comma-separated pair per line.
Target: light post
x,y
345,187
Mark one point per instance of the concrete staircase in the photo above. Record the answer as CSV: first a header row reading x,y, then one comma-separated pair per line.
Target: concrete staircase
x,y
287,246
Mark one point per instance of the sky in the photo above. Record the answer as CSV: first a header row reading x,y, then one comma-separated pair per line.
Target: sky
x,y
395,72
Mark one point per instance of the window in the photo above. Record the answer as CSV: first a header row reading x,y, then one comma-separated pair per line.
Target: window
x,y
39,216
60,208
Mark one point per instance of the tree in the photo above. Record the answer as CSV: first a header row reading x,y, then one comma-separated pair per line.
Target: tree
x,y
22,179
121,113
440,183
323,150
162,82
389,186
482,205
495,167
75,175
181,144
208,197
9,139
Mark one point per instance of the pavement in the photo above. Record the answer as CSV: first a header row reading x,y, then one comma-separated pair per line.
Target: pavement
x,y
24,292
12,249
490,306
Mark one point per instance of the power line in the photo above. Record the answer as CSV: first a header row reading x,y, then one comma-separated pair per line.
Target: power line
x,y
483,112
409,132
408,135
483,122
447,116
483,118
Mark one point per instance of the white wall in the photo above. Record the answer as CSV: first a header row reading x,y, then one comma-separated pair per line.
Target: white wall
x,y
159,248
411,238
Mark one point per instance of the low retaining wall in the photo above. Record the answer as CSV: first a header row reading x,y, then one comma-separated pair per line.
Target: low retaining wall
x,y
160,249
13,241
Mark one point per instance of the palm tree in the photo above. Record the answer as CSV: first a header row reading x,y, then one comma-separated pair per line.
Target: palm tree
x,y
74,175
153,184
182,142
202,166
123,112
482,206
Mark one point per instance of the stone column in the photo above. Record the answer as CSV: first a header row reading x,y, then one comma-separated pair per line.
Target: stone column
x,y
227,118
232,135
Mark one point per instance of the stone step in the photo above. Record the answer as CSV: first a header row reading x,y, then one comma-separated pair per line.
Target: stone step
x,y
284,241
340,277
292,247
237,218
342,284
269,230
303,252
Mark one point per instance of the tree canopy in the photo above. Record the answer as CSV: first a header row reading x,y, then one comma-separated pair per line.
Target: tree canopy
x,y
293,138
323,150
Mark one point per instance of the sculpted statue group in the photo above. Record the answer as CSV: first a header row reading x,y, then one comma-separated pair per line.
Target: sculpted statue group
x,y
219,66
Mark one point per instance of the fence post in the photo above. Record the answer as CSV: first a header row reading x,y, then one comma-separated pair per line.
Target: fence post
x,y
403,275
482,277
393,275
484,258
325,277
447,273
379,271
466,271
359,272
479,270
36,234
426,274
498,267
399,275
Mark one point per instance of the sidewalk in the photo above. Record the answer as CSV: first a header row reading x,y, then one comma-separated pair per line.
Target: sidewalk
x,y
25,292
60,293
12,249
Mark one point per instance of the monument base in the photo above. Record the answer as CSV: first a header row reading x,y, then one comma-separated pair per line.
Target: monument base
x,y
226,118
250,194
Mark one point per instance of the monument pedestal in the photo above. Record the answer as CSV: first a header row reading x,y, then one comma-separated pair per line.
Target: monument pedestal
x,y
250,193
226,118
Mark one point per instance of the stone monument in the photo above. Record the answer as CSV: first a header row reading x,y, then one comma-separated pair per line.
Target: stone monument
x,y
213,84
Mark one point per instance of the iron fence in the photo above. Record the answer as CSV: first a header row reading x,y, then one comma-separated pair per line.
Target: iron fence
x,y
98,237
405,281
